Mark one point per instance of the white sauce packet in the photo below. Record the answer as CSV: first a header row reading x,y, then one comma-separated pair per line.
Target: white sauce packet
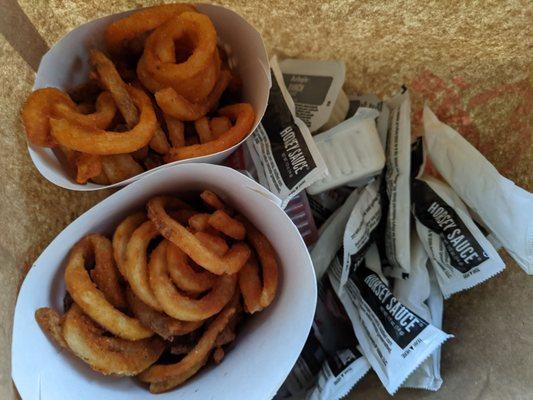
x,y
421,294
506,209
364,219
351,150
330,363
397,179
460,254
331,234
316,88
394,339
282,149
372,101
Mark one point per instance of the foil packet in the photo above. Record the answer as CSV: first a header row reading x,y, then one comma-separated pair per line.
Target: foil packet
x,y
282,149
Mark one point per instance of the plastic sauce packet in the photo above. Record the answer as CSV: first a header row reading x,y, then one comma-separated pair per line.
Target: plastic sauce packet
x,y
330,364
298,209
460,254
372,101
300,214
324,204
316,88
358,233
351,150
284,153
397,179
417,292
330,235
393,338
506,209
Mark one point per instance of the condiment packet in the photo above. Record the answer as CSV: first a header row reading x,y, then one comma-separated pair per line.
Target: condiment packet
x,y
372,101
282,149
506,209
316,88
324,204
331,234
393,338
359,230
351,150
459,252
298,209
397,178
421,294
330,363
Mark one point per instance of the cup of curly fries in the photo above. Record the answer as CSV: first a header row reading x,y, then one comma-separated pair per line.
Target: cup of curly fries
x,y
78,334
127,94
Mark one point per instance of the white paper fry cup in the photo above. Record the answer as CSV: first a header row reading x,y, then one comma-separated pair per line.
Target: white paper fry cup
x,y
264,351
66,65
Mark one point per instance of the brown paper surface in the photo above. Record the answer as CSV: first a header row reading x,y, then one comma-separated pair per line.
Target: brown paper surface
x,y
472,62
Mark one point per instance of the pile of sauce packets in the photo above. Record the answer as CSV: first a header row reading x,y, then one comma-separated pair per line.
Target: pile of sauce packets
x,y
390,239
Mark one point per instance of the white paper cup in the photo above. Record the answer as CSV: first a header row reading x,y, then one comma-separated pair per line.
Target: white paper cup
x,y
265,350
66,65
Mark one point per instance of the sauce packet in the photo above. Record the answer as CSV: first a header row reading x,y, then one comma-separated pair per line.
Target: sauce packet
x,y
506,209
282,149
393,338
372,101
421,294
351,150
459,252
326,203
331,234
397,178
330,363
316,88
359,230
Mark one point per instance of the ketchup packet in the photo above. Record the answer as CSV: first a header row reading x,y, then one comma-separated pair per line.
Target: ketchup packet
x,y
421,294
397,178
459,252
506,209
282,149
330,363
394,339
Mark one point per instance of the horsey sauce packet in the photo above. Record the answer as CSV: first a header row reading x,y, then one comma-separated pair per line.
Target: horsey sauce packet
x,y
393,338
421,294
506,209
316,88
397,178
282,149
360,228
330,363
460,254
331,233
